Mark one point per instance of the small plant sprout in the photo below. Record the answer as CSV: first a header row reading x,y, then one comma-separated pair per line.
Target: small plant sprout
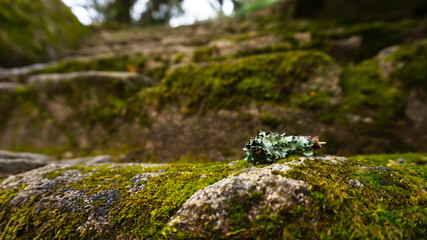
x,y
268,147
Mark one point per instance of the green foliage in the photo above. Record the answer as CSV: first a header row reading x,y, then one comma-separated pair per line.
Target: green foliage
x,y
205,54
269,147
36,30
250,6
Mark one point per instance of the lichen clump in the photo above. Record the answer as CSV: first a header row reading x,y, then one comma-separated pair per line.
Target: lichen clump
x,y
269,147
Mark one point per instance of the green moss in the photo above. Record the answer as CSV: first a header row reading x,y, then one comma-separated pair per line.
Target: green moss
x,y
205,54
388,200
238,208
142,215
367,92
145,214
22,97
412,73
312,101
413,164
178,58
375,35
390,204
229,84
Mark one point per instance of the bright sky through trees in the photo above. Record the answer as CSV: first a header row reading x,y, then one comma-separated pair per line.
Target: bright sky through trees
x,y
195,10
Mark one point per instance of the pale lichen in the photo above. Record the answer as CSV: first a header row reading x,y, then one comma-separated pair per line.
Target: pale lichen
x,y
269,147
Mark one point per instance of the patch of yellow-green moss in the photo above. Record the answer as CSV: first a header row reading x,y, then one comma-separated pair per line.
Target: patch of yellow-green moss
x,y
205,54
413,59
367,92
228,84
390,204
143,215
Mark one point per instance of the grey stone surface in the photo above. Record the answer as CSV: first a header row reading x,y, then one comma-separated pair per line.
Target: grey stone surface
x,y
131,77
13,163
9,86
355,183
208,207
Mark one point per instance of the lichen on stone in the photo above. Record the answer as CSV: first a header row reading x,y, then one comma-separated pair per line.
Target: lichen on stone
x,y
269,147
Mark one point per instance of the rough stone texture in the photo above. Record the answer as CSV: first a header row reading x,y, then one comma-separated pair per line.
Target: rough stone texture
x,y
57,78
416,109
75,201
116,206
140,180
13,163
355,183
279,192
387,67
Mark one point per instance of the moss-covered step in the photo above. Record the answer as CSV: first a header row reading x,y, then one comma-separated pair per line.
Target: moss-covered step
x,y
215,107
36,30
87,113
321,197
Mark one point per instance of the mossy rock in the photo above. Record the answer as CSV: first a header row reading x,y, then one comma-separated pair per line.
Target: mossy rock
x,y
375,197
35,31
412,58
379,87
272,77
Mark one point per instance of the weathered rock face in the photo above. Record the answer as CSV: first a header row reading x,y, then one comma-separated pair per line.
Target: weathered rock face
x,y
36,30
316,197
13,163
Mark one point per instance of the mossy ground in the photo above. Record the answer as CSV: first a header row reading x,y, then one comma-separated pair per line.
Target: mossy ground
x,y
391,204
